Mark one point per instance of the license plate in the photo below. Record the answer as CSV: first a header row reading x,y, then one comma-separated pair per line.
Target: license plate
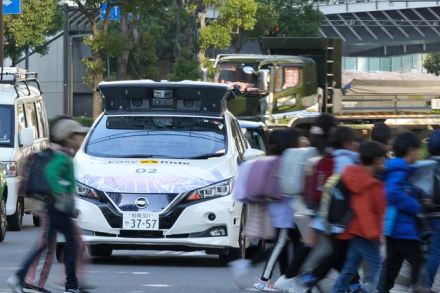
x,y
140,221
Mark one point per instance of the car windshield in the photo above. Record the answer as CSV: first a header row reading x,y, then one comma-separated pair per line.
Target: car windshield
x,y
6,126
158,137
233,72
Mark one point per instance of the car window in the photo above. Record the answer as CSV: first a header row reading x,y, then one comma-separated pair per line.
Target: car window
x,y
6,126
31,118
158,136
238,138
21,117
41,113
255,139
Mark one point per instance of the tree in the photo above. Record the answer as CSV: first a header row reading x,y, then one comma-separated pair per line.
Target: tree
x,y
432,63
297,18
30,29
235,16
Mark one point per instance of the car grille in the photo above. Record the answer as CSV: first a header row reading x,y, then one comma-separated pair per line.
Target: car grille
x,y
154,202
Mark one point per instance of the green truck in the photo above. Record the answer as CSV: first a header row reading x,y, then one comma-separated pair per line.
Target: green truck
x,y
298,78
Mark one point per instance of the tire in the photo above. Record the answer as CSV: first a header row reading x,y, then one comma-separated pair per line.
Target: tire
x,y
59,252
15,221
100,251
3,221
236,253
36,220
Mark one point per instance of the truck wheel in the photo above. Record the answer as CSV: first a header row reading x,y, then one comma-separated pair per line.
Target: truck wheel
x,y
59,252
36,220
3,221
100,251
15,221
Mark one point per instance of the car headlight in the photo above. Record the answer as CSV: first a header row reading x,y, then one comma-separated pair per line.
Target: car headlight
x,y
9,168
86,191
216,190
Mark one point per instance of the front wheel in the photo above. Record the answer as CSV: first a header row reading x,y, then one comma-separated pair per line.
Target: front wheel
x,y
15,221
3,221
36,220
100,251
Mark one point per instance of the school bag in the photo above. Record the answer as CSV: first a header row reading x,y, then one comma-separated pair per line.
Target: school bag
x,y
335,205
33,183
317,170
292,169
258,181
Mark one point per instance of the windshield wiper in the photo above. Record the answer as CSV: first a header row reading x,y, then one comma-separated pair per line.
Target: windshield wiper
x,y
206,156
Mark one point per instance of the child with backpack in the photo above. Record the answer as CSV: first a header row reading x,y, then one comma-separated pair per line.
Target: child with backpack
x,y
367,202
401,218
432,211
329,252
281,217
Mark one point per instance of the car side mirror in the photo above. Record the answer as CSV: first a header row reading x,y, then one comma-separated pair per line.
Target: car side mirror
x,y
263,80
251,154
249,70
26,136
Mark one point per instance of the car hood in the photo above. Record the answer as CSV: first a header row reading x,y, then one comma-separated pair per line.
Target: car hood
x,y
152,175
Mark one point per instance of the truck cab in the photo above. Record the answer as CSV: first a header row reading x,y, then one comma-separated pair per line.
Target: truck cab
x,y
269,84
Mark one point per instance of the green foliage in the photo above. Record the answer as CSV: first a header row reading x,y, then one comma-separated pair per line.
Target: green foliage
x,y
297,18
186,67
215,36
238,14
30,29
432,63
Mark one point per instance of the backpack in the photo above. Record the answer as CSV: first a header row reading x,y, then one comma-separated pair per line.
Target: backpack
x,y
336,200
257,181
317,171
292,169
33,183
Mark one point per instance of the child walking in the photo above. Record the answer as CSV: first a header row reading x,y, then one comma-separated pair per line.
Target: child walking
x,y
368,206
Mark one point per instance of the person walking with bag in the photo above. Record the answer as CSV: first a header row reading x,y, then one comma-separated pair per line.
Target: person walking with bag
x,y
367,201
280,214
59,175
401,218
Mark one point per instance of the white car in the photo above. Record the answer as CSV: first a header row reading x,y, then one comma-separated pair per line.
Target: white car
x,y
23,129
157,169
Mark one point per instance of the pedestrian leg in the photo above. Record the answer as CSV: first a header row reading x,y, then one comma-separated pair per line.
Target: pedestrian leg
x,y
391,266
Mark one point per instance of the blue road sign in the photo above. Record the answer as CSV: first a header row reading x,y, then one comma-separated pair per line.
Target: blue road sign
x,y
11,6
115,12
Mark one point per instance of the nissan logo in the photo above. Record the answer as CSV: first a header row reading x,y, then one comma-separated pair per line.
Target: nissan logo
x,y
141,202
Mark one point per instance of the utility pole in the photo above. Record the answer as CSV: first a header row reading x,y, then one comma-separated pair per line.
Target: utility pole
x,y
2,37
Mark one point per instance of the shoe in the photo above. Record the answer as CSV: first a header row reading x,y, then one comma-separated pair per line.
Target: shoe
x,y
79,290
308,280
282,283
266,286
15,284
297,286
240,270
29,288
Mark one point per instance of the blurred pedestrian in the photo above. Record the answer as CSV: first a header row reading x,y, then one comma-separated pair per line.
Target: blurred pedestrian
x,y
368,204
433,211
66,138
281,217
401,220
381,133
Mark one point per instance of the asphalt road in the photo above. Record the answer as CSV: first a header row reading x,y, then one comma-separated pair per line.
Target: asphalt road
x,y
134,271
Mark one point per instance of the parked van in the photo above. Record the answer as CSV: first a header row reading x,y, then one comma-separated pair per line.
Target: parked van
x,y
23,129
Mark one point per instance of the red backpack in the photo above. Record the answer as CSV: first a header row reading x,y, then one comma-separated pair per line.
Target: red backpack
x,y
317,171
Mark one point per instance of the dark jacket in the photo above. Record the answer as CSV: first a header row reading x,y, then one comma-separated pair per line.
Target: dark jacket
x,y
403,206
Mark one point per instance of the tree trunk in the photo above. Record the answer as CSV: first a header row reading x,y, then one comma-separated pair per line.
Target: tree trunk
x,y
177,45
202,20
238,43
122,62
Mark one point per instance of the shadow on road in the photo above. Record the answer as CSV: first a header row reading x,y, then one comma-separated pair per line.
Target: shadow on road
x,y
163,260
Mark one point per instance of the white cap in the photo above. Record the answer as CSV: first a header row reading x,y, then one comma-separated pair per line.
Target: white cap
x,y
64,128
